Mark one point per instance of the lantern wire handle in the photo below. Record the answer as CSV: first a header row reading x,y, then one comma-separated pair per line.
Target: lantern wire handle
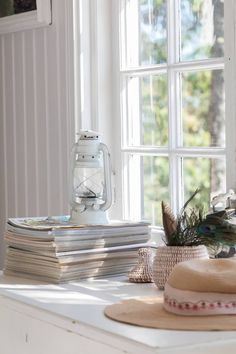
x,y
107,169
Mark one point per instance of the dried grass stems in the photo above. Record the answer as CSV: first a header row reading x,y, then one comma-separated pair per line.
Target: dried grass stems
x,y
192,227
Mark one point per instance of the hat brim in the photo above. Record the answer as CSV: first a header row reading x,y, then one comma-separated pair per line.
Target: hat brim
x,y
149,312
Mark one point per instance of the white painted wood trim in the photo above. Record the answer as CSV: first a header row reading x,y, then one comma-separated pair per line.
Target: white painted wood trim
x,y
118,209
209,64
230,93
164,151
44,11
78,57
28,20
82,50
174,110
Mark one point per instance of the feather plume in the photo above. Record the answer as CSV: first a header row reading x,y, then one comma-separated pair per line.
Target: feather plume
x,y
192,227
169,220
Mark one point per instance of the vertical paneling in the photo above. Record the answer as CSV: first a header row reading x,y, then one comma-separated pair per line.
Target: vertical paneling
x,y
3,179
51,63
62,112
40,118
36,118
10,126
31,146
21,161
70,79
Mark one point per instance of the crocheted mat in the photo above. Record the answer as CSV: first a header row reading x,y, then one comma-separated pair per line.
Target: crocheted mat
x,y
148,312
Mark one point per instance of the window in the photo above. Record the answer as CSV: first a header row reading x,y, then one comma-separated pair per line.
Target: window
x,y
172,103
157,79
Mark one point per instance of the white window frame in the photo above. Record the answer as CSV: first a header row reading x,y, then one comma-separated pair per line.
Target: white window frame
x,y
175,150
104,41
28,20
94,83
230,92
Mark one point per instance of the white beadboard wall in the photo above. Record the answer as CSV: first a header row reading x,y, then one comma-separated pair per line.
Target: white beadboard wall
x,y
36,118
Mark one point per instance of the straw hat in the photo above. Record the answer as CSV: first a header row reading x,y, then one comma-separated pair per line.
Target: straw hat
x,y
199,295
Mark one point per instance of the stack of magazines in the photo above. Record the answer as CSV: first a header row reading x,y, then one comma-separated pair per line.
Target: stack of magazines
x,y
54,250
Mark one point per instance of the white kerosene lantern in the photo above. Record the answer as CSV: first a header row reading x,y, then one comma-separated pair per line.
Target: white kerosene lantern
x,y
90,190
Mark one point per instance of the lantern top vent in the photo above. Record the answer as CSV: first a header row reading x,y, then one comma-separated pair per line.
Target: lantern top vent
x,y
88,135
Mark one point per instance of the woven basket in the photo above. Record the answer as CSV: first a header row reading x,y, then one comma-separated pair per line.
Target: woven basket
x,y
167,256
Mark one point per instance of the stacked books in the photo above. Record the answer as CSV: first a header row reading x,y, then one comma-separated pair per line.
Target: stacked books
x,y
54,250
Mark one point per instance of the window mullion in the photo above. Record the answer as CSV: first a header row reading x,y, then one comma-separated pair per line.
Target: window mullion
x,y
131,106
124,109
124,140
230,105
122,34
175,174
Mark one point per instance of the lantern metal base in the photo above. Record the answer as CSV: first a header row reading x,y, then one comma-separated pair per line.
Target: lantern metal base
x,y
89,217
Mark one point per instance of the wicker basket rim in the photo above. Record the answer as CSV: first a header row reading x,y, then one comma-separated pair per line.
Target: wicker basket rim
x,y
181,247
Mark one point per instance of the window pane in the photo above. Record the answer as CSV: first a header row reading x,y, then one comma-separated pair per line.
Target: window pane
x,y
155,187
148,186
203,108
202,29
12,7
148,110
146,32
205,173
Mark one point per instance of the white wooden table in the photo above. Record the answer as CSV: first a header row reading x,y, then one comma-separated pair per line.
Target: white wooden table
x,y
68,319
